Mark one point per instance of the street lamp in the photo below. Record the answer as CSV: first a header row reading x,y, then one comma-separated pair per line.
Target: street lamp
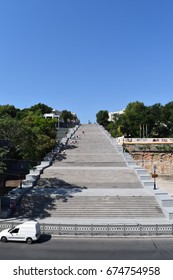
x,y
154,176
143,159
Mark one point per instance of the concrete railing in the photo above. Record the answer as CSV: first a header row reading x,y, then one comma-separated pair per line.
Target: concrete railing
x,y
103,230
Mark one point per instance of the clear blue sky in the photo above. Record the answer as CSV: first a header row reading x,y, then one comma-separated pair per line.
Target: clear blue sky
x,y
86,55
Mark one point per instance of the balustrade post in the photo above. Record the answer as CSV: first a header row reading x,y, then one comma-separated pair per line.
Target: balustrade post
x,y
124,229
92,229
156,229
59,229
108,230
140,229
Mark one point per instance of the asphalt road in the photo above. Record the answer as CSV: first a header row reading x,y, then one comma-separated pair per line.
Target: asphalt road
x,y
48,248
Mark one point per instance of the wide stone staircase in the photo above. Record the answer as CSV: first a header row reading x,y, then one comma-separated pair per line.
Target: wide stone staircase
x,y
108,207
91,181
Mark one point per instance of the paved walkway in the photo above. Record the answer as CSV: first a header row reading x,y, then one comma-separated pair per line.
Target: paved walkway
x,y
90,182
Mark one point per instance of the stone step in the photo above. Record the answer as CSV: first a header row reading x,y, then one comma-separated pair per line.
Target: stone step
x,y
88,163
114,207
127,213
133,216
108,214
91,207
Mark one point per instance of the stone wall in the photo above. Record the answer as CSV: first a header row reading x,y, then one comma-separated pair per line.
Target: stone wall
x,y
163,161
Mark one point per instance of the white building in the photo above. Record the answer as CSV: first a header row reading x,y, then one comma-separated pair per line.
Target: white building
x,y
111,114
54,114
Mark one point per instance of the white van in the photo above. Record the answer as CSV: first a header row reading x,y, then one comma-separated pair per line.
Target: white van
x,y
28,231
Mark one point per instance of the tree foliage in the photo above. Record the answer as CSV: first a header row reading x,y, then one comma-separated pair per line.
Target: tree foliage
x,y
21,141
3,154
8,111
44,109
29,135
67,116
102,117
25,138
139,120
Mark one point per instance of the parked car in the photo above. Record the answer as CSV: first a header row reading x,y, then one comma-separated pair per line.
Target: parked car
x,y
28,232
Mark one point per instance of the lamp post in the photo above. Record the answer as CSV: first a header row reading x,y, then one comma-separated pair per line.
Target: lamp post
x,y
154,176
21,176
143,159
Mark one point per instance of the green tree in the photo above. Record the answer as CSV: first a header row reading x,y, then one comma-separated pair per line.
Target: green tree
x,y
43,131
102,117
43,108
155,121
134,115
3,155
111,127
8,111
67,116
29,134
168,118
38,109
41,125
140,120
20,138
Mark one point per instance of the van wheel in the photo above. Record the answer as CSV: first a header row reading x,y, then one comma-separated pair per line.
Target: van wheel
x,y
3,239
29,240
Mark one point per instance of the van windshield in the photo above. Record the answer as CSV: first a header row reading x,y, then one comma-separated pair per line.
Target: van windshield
x,y
11,229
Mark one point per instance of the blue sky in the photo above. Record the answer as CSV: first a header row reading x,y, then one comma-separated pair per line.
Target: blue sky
x,y
86,55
